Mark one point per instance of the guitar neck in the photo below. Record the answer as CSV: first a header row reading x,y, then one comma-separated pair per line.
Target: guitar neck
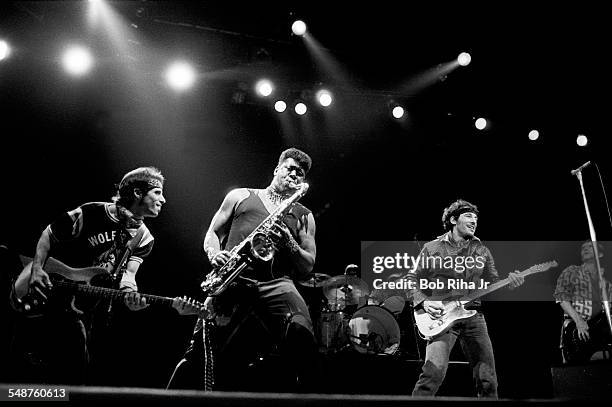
x,y
495,286
103,292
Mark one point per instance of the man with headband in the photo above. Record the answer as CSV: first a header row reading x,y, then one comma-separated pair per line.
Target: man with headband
x,y
458,243
111,235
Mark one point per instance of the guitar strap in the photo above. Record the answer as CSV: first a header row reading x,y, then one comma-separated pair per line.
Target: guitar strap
x,y
118,270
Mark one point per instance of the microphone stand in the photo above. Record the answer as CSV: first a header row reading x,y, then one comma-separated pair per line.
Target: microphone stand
x,y
602,286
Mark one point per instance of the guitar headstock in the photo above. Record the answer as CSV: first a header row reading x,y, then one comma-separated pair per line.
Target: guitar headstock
x,y
538,268
188,306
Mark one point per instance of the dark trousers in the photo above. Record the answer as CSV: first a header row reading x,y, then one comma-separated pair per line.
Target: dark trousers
x,y
50,349
269,333
476,345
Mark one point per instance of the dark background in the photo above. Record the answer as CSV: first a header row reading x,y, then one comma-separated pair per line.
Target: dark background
x,y
66,141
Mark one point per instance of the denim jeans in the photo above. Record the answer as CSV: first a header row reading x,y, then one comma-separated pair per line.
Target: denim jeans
x,y
476,345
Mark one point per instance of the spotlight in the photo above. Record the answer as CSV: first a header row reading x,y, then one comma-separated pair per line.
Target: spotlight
x,y
582,140
533,135
298,27
94,10
464,59
280,106
300,108
264,87
77,60
5,50
180,76
324,97
480,123
398,112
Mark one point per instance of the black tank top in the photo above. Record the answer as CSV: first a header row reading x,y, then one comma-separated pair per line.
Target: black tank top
x,y
248,214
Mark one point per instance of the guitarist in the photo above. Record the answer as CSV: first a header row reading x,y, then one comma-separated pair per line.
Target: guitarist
x,y
95,234
585,329
459,220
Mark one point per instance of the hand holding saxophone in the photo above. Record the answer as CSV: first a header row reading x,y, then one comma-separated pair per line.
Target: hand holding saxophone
x,y
279,234
219,258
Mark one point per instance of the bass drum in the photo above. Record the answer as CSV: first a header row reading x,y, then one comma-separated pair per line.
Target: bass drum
x,y
374,330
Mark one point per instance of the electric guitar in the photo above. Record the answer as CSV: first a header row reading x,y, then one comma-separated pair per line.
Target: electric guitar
x,y
577,350
430,327
69,280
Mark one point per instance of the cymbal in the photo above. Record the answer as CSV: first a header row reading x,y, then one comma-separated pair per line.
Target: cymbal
x,y
345,289
380,295
316,280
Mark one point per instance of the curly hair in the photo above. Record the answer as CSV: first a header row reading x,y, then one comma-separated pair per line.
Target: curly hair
x,y
455,210
299,156
142,178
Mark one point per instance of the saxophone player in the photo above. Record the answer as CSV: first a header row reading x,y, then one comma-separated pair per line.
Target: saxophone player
x,y
264,312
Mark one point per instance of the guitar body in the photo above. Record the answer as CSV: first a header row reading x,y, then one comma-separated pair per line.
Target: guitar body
x,y
454,310
32,305
54,266
576,350
69,280
430,327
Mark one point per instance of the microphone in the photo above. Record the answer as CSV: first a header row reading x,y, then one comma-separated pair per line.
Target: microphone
x,y
586,164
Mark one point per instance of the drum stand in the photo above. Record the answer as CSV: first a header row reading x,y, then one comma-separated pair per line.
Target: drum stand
x,y
415,331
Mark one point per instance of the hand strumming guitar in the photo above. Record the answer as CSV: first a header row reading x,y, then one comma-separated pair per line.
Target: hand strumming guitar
x,y
433,308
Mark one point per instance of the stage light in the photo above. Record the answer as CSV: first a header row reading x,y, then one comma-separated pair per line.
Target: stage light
x,y
324,97
398,112
300,108
533,135
5,50
582,140
77,60
280,106
264,87
180,76
464,59
480,123
298,27
94,11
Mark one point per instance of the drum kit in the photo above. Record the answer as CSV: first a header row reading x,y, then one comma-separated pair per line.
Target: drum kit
x,y
350,316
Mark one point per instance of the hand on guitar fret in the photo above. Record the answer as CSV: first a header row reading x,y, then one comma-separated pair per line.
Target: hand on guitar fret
x,y
515,280
135,302
188,306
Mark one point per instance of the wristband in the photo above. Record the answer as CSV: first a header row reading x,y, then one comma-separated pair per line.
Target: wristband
x,y
292,245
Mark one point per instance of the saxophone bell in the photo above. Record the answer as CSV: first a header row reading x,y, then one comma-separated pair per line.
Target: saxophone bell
x,y
262,247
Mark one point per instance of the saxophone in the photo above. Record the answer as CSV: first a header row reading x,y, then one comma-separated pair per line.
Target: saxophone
x,y
257,245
